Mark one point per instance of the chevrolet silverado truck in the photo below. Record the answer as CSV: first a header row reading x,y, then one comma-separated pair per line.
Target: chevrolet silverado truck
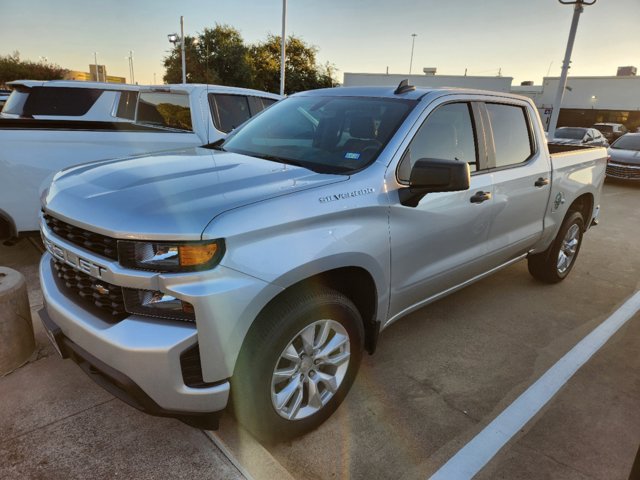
x,y
256,271
46,128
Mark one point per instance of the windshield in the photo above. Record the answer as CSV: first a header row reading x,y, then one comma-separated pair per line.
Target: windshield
x,y
627,142
571,133
604,128
328,134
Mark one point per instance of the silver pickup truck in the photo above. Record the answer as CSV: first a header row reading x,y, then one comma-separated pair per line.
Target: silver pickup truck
x,y
256,271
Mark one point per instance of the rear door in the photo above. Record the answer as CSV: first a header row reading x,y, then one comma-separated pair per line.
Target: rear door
x,y
521,179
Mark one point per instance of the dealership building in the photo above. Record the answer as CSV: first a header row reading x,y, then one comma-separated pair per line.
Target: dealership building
x,y
587,100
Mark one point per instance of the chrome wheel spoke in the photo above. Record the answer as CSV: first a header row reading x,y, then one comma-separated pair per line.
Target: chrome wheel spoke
x,y
335,343
568,248
307,336
336,360
291,354
315,400
284,373
297,403
286,393
325,329
329,381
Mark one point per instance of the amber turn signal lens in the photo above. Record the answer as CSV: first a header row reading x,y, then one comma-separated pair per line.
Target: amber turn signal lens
x,y
191,255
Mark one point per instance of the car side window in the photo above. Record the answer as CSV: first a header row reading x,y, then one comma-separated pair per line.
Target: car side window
x,y
229,111
446,134
511,134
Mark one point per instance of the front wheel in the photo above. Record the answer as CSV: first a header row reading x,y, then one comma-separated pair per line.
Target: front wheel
x,y
554,264
297,364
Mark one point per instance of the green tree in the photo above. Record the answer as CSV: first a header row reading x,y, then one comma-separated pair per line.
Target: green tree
x,y
220,56
301,70
13,68
216,55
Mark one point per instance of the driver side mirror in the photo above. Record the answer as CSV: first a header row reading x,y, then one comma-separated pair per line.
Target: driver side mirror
x,y
435,175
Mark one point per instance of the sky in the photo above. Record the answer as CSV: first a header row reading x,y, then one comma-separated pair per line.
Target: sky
x,y
524,39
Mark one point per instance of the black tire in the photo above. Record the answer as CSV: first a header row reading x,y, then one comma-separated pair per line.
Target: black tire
x,y
543,266
271,333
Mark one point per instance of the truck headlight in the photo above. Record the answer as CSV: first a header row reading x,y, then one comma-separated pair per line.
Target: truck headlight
x,y
170,256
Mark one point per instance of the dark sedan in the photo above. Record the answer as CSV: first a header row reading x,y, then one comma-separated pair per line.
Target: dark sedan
x,y
624,158
579,136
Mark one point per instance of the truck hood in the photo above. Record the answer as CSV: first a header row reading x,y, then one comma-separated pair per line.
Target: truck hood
x,y
170,195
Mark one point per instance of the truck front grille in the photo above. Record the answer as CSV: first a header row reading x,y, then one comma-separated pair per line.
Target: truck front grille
x,y
94,242
621,170
107,298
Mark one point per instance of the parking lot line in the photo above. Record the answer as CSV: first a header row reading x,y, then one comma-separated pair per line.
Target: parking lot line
x,y
485,445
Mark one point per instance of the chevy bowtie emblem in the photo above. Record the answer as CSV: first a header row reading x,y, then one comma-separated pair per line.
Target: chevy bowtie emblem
x,y
101,290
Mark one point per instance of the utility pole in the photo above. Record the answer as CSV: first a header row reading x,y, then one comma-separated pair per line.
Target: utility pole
x,y
283,55
95,62
577,10
133,81
413,42
184,64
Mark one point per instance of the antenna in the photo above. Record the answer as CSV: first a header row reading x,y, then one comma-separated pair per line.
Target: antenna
x,y
404,87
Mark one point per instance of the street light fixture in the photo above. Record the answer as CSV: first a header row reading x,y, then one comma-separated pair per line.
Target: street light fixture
x,y
179,39
577,10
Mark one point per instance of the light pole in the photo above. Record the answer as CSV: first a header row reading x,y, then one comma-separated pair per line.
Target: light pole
x,y
130,57
577,10
175,38
413,42
95,62
283,56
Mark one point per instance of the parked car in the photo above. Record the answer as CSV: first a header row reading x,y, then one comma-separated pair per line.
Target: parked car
x,y
4,96
611,131
71,100
165,118
579,136
624,158
263,266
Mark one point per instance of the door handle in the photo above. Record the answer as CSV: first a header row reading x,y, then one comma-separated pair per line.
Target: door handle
x,y
541,182
480,197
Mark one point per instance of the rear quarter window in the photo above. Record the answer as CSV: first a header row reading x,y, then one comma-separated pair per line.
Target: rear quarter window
x,y
165,110
60,101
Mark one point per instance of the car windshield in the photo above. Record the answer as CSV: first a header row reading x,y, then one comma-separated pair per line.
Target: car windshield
x,y
322,133
627,142
571,133
604,128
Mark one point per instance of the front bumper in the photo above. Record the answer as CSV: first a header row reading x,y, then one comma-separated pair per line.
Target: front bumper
x,y
144,351
623,171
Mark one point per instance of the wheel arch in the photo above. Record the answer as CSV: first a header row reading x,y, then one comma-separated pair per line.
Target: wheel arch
x,y
584,205
7,226
357,284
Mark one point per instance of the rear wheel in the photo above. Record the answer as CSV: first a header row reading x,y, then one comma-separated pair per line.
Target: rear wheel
x,y
297,364
554,264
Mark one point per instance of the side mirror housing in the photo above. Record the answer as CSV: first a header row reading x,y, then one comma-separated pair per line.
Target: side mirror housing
x,y
435,175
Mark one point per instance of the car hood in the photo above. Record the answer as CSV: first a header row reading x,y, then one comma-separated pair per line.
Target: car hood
x,y
170,195
625,156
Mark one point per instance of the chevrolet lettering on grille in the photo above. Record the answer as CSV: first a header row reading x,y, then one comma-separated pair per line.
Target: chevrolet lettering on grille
x,y
74,260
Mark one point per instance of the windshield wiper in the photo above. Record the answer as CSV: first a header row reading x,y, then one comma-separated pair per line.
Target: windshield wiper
x,y
217,145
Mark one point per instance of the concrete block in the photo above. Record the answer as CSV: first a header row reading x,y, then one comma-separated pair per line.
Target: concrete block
x,y
16,330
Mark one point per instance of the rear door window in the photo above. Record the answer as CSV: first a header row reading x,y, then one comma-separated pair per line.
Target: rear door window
x,y
512,137
229,111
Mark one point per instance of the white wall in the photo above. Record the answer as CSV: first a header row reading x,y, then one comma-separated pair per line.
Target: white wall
x,y
611,93
496,84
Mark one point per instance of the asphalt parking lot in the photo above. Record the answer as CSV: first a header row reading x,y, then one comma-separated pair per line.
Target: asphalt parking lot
x,y
438,378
